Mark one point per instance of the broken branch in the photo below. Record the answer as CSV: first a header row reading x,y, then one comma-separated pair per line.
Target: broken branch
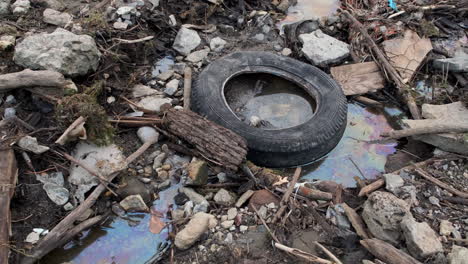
x,y
283,202
371,187
302,254
28,78
442,127
440,183
387,253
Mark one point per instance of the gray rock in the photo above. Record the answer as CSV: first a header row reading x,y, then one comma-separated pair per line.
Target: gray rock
x,y
54,4
231,213
62,51
9,112
445,228
30,144
286,52
227,224
229,239
120,25
21,7
147,134
458,255
158,160
164,76
10,99
203,207
126,10
164,185
322,49
140,90
198,55
217,44
57,18
421,240
134,203
196,198
244,197
7,41
5,7
383,213
259,37
54,178
243,228
58,194
393,182
186,41
222,177
434,200
225,198
199,224
434,114
188,208
171,87
177,214
459,63
68,207
154,102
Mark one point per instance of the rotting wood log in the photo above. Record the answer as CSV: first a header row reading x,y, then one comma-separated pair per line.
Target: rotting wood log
x,y
29,78
434,128
213,142
8,177
387,253
371,187
385,65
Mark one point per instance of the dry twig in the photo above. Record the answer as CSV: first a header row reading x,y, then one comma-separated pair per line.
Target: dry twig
x,y
283,202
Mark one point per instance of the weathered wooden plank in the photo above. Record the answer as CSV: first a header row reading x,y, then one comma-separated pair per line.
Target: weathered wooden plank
x,y
359,78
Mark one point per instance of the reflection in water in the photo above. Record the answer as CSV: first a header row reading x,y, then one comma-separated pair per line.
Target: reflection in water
x,y
118,241
278,102
360,151
309,9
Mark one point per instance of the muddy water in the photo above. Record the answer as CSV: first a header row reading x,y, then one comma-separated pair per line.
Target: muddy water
x,y
277,102
361,152
309,9
119,240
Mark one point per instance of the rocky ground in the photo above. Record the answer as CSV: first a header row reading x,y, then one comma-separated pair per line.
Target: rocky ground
x,y
122,64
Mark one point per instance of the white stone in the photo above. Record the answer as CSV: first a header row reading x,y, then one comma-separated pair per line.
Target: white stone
x,y
32,238
171,87
199,224
231,213
68,207
57,18
446,228
322,49
58,194
229,239
5,7
227,224
421,240
7,42
243,228
30,144
458,255
164,76
198,55
186,41
126,10
21,7
154,102
134,203
286,52
217,44
147,134
120,25
140,90
393,182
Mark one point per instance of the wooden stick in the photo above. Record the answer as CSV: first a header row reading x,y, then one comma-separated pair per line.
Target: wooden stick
x,y
440,183
387,253
63,138
8,178
367,101
386,66
314,194
434,128
133,41
329,254
136,123
29,78
356,221
283,202
265,224
187,87
302,254
371,187
456,200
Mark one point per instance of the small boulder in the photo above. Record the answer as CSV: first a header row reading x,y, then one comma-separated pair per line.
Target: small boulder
x,y
54,17
225,198
198,172
134,203
21,7
458,255
217,44
198,55
30,144
322,49
199,224
70,54
171,87
383,213
421,240
186,41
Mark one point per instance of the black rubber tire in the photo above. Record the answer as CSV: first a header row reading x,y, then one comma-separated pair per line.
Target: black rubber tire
x,y
284,147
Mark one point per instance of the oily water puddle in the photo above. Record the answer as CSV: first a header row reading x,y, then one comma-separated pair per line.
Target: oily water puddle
x,y
359,153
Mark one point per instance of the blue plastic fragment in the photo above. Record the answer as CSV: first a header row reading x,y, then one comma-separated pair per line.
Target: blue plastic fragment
x,y
392,5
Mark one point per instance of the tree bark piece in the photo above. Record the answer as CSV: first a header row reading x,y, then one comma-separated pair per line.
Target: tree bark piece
x,y
302,254
356,221
371,187
8,177
386,66
387,253
29,78
434,128
214,142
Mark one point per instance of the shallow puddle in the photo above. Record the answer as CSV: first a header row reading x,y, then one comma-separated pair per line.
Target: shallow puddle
x,y
275,102
309,9
361,152
119,240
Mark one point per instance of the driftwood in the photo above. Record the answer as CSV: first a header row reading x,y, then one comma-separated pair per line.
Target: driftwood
x,y
302,254
356,221
387,253
8,177
187,87
371,187
213,142
434,128
328,252
386,66
29,78
285,198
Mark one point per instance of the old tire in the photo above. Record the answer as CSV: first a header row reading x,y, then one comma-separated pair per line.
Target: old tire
x,y
287,147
